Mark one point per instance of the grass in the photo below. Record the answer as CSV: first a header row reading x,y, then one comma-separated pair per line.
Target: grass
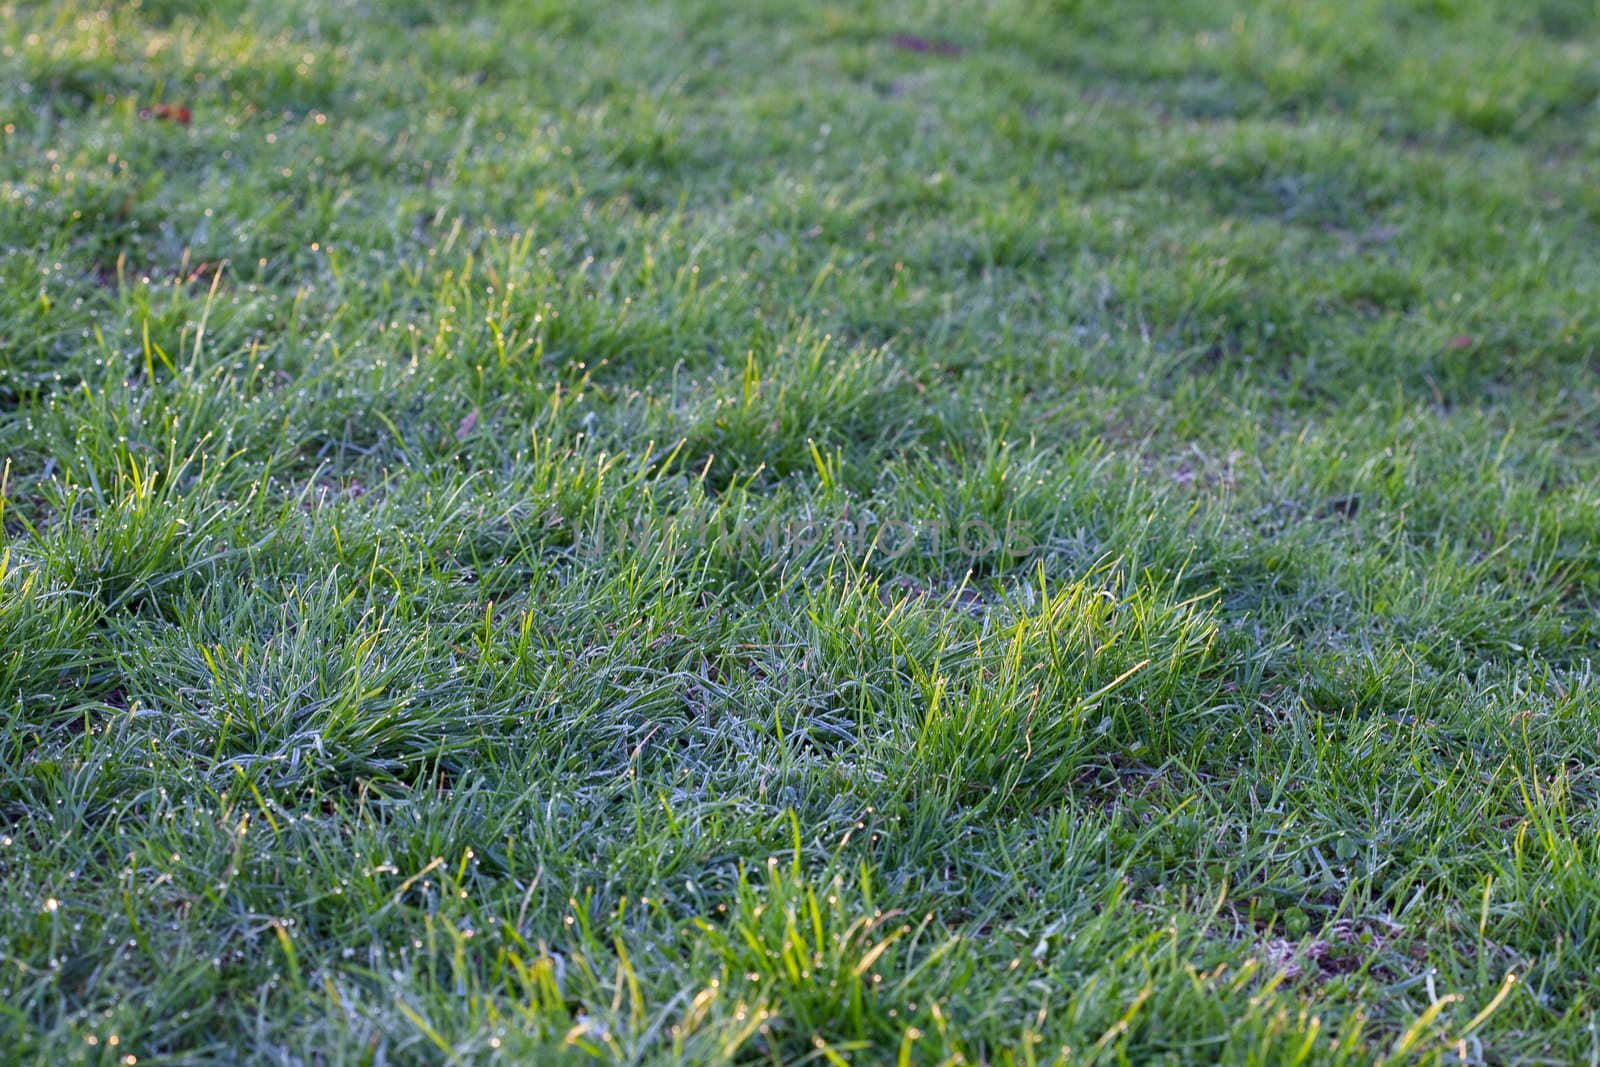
x,y
792,533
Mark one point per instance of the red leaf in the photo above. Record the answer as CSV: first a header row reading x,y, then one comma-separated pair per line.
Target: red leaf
x,y
169,113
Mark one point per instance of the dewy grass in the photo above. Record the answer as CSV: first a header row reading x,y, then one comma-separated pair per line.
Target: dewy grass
x,y
701,532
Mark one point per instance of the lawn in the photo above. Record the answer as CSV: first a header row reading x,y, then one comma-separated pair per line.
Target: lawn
x,y
773,532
